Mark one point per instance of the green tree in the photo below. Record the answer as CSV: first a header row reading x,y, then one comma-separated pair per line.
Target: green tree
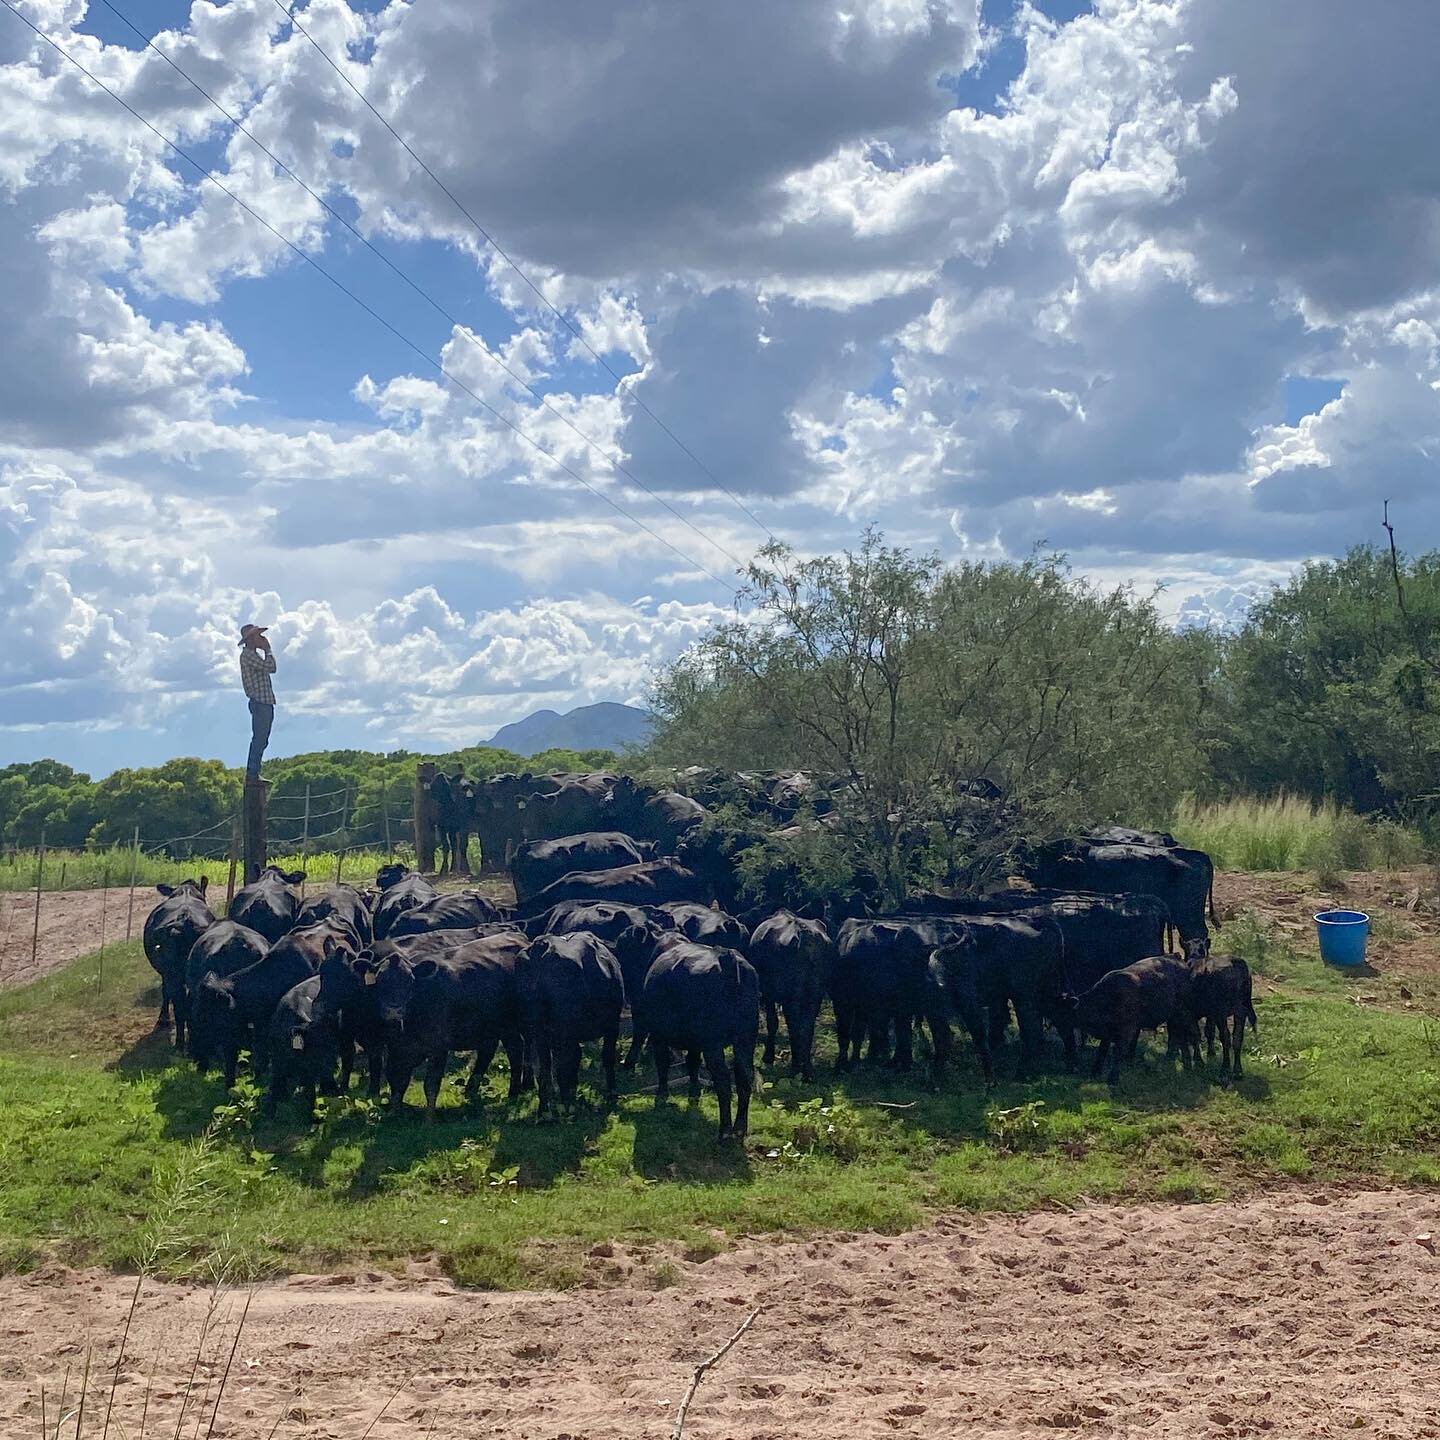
x,y
170,803
907,682
1331,690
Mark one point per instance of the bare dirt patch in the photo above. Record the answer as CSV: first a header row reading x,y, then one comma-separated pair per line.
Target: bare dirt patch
x,y
69,927
1403,956
1304,1314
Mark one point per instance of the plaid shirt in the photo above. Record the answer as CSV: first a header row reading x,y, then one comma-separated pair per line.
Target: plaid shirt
x,y
256,668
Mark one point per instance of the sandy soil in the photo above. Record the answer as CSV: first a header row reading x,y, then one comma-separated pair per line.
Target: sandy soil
x,y
1307,1314
69,926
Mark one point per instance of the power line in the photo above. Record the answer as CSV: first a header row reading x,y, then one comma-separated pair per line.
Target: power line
x,y
621,382
424,294
374,314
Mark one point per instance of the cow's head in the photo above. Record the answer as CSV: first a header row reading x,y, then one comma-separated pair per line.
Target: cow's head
x,y
391,875
1197,948
213,1020
395,983
186,887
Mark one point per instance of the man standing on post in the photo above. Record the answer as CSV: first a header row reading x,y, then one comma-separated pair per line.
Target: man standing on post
x,y
257,665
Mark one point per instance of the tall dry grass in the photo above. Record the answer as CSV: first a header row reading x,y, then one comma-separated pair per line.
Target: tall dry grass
x,y
1289,832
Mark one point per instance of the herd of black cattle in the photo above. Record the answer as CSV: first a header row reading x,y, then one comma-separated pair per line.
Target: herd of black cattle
x,y
638,916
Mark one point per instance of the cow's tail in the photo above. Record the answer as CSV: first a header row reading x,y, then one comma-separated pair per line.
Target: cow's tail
x,y
1251,1016
1210,897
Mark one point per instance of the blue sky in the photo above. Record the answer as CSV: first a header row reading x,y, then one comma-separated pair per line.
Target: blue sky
x,y
1148,281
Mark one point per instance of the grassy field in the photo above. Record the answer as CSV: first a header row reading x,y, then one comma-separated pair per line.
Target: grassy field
x,y
1289,832
90,869
115,1153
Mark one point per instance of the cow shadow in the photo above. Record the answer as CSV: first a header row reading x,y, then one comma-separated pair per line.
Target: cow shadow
x,y
677,1141
154,1050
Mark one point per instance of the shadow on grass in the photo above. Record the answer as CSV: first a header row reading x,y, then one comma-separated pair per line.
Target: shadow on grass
x,y
155,1050
677,1140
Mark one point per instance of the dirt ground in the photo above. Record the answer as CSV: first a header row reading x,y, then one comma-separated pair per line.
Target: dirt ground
x,y
1303,1314
69,926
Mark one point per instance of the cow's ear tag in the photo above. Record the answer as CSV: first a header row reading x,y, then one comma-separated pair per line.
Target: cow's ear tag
x,y
519,804
297,1041
369,977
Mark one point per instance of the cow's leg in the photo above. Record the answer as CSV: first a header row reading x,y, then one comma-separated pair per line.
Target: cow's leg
x,y
1100,1053
904,1041
1238,1043
1125,1044
842,1036
518,1056
484,1054
939,1048
347,1062
1210,1036
397,1074
999,1022
278,1087
232,1064
609,1046
720,1079
744,1085
800,1022
637,1043
692,1064
772,1026
1027,1021
434,1074
567,1071
661,1051
542,1061
375,1064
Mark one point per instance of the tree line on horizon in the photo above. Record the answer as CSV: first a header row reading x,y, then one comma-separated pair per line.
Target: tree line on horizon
x,y
906,680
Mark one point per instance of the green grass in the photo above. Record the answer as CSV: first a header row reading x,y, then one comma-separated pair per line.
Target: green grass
x,y
1289,832
115,1153
90,869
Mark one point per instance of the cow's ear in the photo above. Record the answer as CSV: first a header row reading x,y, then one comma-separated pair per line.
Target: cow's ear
x,y
166,889
204,883
293,878
331,948
423,969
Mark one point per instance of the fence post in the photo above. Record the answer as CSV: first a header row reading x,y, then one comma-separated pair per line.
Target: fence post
x,y
234,860
39,876
134,867
424,824
253,819
339,861
305,844
104,900
385,811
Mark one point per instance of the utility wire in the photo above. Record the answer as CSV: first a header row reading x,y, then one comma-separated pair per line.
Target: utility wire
x,y
622,382
424,294
374,314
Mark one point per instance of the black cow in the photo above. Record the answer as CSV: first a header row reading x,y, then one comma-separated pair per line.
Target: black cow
x,y
697,998
231,1013
1183,879
461,999
792,958
571,991
171,930
343,900
703,924
498,810
879,980
222,950
401,889
652,883
1124,835
999,962
456,911
537,863
577,806
662,816
452,802
303,1047
268,904
1222,995
1145,995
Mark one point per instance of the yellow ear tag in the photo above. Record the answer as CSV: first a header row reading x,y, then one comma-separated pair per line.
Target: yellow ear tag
x,y
297,1041
369,977
519,804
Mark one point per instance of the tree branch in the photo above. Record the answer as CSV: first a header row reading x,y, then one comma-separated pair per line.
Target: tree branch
x,y
704,1367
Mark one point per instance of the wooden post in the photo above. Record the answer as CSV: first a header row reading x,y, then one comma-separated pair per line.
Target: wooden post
x,y
424,825
134,867
305,842
234,861
104,899
339,861
39,876
385,811
253,823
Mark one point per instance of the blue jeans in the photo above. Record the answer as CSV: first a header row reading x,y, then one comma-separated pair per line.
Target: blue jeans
x,y
262,717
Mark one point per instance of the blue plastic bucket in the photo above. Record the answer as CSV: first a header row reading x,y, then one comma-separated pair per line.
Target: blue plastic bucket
x,y
1343,934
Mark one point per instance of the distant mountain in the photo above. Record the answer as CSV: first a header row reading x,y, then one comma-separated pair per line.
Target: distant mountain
x,y
606,726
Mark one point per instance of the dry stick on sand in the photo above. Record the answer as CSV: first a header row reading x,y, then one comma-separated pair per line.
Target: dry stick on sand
x,y
704,1367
